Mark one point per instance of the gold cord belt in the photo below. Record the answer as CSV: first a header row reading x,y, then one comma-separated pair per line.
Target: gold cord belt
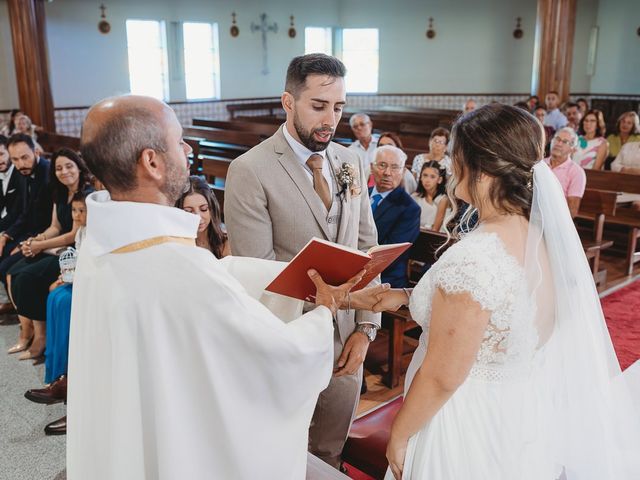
x,y
150,242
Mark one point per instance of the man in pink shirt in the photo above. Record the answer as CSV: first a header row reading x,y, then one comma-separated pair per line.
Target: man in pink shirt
x,y
570,174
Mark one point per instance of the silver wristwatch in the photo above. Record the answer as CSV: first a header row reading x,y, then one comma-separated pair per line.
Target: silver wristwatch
x,y
369,330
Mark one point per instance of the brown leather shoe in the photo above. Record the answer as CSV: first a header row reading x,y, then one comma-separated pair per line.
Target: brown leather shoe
x,y
55,392
57,427
7,308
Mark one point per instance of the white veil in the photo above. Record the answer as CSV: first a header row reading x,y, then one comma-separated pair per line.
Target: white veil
x,y
592,423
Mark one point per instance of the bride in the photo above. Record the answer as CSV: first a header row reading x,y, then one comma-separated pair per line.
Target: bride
x,y
515,376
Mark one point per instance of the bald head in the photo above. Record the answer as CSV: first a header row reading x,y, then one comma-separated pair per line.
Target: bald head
x,y
115,133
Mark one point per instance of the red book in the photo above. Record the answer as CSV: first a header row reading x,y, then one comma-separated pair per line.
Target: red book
x,y
335,263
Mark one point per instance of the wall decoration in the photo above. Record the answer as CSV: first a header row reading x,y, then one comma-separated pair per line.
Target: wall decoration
x,y
264,28
517,33
431,33
234,30
104,27
292,28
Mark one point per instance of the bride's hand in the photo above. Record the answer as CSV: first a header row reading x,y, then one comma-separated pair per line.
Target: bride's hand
x,y
329,296
391,300
396,452
366,298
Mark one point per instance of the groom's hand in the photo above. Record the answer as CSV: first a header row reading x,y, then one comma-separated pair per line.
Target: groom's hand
x,y
353,354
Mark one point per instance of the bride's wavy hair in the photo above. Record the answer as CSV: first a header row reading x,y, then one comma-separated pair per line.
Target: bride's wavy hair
x,y
503,142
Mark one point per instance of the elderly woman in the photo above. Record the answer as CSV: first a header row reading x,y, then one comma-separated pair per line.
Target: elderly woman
x,y
438,141
592,147
29,279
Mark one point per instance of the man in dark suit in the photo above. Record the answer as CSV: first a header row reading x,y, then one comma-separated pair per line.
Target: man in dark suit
x,y
35,217
12,189
396,215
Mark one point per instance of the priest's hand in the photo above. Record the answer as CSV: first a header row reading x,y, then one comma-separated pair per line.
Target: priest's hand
x,y
330,296
366,298
353,354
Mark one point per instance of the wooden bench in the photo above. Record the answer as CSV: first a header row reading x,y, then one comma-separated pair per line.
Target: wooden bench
x,y
234,108
52,142
597,205
423,251
625,218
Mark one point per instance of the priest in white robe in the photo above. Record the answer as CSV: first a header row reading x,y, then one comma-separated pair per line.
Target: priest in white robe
x,y
175,370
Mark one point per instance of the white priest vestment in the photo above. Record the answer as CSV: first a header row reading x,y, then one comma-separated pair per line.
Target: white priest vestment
x,y
176,371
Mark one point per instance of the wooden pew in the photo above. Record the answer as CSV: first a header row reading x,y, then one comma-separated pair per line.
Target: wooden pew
x,y
51,142
423,251
625,218
234,108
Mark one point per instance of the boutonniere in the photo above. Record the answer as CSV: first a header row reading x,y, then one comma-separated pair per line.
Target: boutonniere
x,y
348,180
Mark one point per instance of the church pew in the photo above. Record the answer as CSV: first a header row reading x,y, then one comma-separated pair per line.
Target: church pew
x,y
51,142
626,221
234,108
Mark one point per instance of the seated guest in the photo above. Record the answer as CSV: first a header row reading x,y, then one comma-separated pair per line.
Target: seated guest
x,y
627,129
26,126
9,128
592,149
200,200
469,106
554,117
365,144
58,323
583,106
29,279
570,175
36,212
628,160
13,188
540,112
532,103
408,182
438,141
574,115
396,215
431,196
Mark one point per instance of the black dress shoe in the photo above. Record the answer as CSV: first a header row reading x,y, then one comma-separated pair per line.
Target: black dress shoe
x,y
55,392
57,427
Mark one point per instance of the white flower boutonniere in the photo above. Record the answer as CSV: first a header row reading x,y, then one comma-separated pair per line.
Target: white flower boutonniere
x,y
348,180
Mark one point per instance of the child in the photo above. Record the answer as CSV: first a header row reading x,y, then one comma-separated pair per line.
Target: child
x,y
431,195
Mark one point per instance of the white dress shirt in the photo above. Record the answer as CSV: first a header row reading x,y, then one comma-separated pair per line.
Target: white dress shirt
x,y
5,177
302,153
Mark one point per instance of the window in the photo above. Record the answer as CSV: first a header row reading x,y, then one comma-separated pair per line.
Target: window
x,y
317,40
360,56
201,60
148,65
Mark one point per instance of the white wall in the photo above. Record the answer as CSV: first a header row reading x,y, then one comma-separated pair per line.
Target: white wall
x,y
586,17
8,88
618,54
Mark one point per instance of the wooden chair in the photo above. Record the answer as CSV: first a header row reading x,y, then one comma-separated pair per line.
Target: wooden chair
x,y
423,252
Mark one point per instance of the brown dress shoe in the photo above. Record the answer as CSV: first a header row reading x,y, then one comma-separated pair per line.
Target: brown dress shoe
x,y
7,308
55,392
57,427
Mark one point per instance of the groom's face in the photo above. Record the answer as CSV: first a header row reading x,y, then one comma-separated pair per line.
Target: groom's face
x,y
315,114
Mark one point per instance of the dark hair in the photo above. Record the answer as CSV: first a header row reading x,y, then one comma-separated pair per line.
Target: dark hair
x,y
540,107
80,196
636,123
601,127
441,188
59,191
312,64
582,100
571,105
113,151
522,105
504,143
12,119
3,141
440,132
21,138
214,231
533,96
393,136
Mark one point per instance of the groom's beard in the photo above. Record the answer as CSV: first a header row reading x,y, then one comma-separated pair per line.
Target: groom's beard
x,y
306,136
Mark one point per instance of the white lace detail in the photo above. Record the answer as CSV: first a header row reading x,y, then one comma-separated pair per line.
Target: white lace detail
x,y
480,266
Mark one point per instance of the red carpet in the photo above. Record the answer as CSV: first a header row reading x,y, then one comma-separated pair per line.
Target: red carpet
x,y
622,313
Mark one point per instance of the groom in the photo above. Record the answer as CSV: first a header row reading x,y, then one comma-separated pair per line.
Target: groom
x,y
287,190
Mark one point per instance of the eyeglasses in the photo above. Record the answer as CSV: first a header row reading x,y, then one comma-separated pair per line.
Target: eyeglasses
x,y
439,142
360,124
563,141
382,166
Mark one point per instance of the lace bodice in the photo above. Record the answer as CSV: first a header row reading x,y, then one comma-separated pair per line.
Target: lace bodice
x,y
480,266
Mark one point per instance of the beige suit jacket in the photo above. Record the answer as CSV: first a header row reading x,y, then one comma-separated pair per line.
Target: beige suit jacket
x,y
271,209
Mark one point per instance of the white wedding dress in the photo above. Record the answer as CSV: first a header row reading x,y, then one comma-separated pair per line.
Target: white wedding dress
x,y
545,398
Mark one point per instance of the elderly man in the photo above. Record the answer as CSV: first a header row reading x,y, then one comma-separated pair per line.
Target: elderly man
x,y
366,143
469,106
574,115
554,117
297,185
570,175
176,370
396,215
